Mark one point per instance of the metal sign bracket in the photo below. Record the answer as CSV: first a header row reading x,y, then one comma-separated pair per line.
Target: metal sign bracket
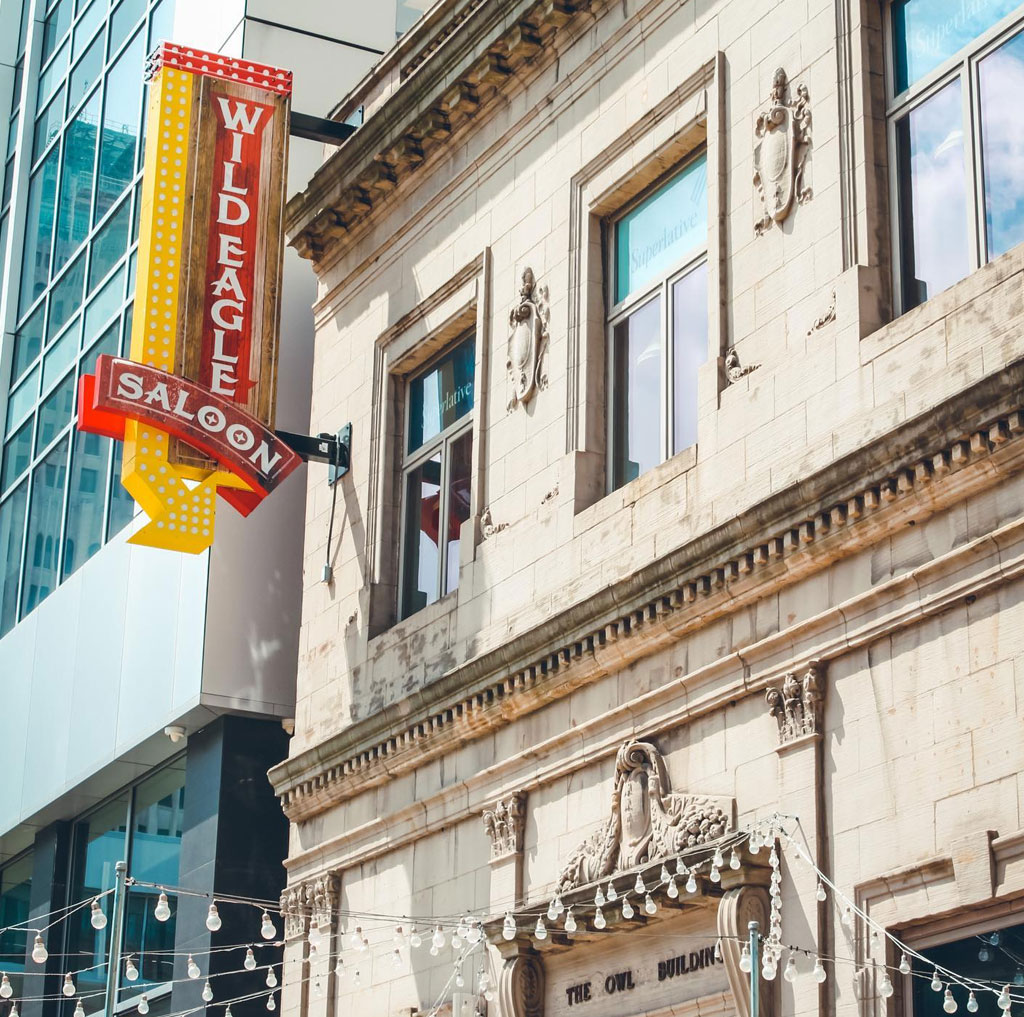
x,y
333,449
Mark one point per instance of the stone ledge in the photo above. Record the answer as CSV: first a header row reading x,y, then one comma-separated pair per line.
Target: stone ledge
x,y
511,681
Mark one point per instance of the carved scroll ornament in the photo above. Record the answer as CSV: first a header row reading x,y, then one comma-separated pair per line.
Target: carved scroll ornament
x,y
527,342
521,987
797,705
504,825
647,820
783,130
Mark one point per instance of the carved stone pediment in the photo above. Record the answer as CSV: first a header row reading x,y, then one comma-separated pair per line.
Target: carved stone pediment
x,y
783,131
526,342
647,821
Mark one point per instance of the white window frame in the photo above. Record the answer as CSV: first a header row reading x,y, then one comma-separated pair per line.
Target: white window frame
x,y
963,65
410,461
616,313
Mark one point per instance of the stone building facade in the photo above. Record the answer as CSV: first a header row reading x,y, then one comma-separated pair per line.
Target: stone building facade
x,y
682,347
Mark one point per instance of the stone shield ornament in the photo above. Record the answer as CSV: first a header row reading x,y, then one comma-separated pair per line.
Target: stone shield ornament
x,y
526,342
783,130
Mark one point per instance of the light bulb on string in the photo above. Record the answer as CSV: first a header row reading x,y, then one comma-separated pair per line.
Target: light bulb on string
x,y
364,945
143,1004
79,1010
949,1001
1004,1002
227,1011
846,919
39,951
649,906
267,929
508,927
745,964
396,959
672,890
131,972
790,971
271,1005
97,918
339,969
773,858
885,989
936,982
558,905
355,937
663,877
599,922
456,940
599,898
213,922
459,980
820,894
1018,976
552,911
994,939
714,875
972,1003
754,842
162,911
718,861
356,979
819,974
983,954
768,971
681,869
627,908
638,887
250,960
613,894
734,859
415,939
314,937
6,989
570,921
14,1010
539,930
192,967
691,883
904,965
271,978
68,988
207,992
437,940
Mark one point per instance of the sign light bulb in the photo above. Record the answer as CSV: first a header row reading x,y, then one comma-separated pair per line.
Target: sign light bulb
x,y
936,982
820,894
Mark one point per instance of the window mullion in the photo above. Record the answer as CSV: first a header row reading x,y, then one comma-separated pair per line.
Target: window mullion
x,y
667,408
442,518
971,165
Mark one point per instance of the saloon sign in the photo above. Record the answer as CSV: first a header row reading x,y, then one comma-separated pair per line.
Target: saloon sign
x,y
194,401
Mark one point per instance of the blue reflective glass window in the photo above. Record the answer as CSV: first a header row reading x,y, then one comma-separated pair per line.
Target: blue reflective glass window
x,y
88,23
54,74
17,456
442,395
12,532
66,297
109,245
86,73
927,32
126,17
55,412
23,398
76,181
121,115
161,24
662,231
122,505
28,341
106,303
42,545
35,264
48,124
15,888
1001,79
61,355
83,535
57,22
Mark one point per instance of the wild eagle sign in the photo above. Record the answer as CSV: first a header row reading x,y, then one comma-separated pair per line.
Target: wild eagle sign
x,y
194,402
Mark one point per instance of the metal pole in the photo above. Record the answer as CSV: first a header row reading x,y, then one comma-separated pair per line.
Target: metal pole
x,y
752,928
114,949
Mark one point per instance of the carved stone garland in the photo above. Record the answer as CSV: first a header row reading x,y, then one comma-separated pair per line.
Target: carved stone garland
x,y
783,130
797,705
647,820
527,342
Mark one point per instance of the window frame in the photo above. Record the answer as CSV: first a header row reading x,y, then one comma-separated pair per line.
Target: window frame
x,y
410,461
616,313
963,66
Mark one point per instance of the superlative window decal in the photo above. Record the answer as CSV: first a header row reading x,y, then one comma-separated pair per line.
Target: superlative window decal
x,y
195,399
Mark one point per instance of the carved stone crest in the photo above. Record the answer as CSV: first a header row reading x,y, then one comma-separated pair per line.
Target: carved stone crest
x,y
796,706
527,342
647,820
504,825
783,130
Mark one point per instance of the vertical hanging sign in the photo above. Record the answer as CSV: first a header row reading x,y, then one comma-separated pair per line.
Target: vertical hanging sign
x,y
194,402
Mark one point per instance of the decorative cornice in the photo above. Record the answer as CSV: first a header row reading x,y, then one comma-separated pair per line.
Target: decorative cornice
x,y
485,693
423,114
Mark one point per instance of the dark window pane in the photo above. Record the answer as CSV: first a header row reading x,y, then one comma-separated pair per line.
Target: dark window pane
x,y
76,181
930,154
86,73
17,456
57,23
122,507
48,124
689,351
99,843
927,32
55,411
5,196
12,530
15,884
460,469
28,341
43,540
663,230
422,535
35,265
110,244
441,396
66,297
120,125
1002,83
84,530
637,383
